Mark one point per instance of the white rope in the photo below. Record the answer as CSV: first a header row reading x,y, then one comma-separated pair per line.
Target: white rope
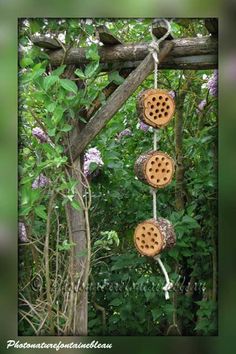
x,y
154,50
168,284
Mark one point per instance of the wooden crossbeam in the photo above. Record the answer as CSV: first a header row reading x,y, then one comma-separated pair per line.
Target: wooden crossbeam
x,y
182,48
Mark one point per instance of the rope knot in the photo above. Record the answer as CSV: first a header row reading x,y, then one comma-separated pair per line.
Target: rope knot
x,y
154,50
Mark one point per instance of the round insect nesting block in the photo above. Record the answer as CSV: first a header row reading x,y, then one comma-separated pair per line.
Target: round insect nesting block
x,y
155,168
155,107
152,237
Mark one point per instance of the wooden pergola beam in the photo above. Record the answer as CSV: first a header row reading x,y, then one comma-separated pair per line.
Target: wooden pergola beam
x,y
182,48
115,101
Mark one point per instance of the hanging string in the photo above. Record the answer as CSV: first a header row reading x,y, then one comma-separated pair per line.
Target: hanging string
x,y
154,50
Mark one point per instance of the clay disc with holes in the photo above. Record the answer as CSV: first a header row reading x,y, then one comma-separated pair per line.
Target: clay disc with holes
x,y
152,237
155,107
155,168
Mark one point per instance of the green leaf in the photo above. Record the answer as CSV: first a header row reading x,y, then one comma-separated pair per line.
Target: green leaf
x,y
92,52
75,204
57,115
116,78
93,166
69,85
49,81
50,108
80,74
91,69
59,70
26,62
66,128
40,211
155,314
116,302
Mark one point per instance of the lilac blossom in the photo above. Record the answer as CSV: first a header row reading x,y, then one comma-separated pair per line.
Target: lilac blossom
x,y
92,155
212,84
22,232
126,132
40,182
143,126
172,94
39,134
201,106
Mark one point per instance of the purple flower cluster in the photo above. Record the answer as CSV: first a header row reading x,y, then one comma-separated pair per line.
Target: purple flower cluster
x,y
126,132
143,126
212,84
22,232
92,155
172,94
201,106
39,134
40,182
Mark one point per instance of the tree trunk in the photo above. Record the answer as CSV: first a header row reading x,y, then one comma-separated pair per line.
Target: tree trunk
x,y
79,261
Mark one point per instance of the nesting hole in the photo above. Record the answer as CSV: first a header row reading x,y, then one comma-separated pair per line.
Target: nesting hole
x,y
159,115
152,106
166,99
163,170
165,114
150,169
153,99
159,164
160,97
165,178
168,107
163,104
151,113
